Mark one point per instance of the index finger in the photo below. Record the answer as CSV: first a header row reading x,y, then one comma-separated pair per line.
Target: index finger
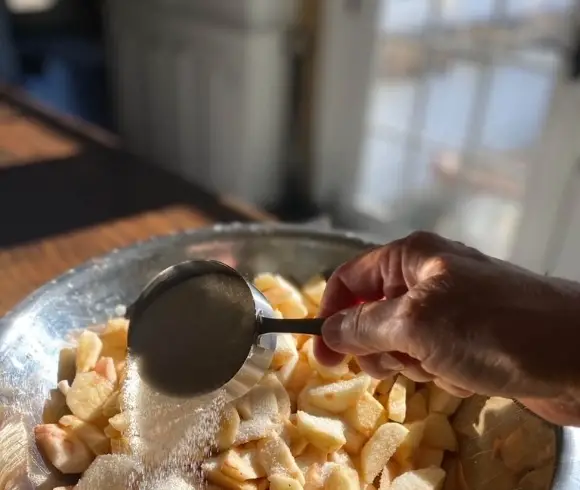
x,y
384,272
369,277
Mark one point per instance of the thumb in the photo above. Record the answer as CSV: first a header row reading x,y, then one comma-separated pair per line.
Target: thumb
x,y
368,328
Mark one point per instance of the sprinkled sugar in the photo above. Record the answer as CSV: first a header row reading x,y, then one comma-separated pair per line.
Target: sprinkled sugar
x,y
168,437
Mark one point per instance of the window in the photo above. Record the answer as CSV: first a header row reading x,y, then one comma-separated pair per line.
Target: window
x,y
458,100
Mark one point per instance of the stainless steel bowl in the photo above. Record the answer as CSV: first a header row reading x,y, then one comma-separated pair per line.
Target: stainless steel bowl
x,y
32,335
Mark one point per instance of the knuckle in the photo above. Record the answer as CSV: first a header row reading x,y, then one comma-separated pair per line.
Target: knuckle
x,y
338,272
421,238
477,254
361,328
365,325
423,308
415,311
438,265
351,324
467,250
431,244
413,321
432,251
434,272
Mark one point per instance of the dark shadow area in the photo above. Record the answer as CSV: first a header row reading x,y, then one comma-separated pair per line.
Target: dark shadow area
x,y
40,199
58,56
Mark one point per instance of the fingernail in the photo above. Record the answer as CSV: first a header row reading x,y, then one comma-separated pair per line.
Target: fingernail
x,y
332,329
389,363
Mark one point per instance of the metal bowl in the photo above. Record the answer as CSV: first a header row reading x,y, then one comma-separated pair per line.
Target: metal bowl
x,y
32,335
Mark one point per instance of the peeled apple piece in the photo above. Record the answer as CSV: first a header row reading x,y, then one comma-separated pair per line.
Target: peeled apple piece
x,y
63,448
88,394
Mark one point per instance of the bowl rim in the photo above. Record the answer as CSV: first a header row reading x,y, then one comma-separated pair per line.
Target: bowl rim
x,y
156,242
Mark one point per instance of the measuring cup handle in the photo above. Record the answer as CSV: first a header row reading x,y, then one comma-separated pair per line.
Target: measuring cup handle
x,y
310,326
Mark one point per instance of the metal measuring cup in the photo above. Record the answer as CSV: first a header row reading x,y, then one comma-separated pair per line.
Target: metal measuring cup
x,y
199,326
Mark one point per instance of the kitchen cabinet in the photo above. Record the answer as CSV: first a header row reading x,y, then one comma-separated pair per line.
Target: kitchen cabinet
x,y
202,88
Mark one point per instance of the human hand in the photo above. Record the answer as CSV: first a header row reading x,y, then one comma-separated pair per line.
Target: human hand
x,y
439,311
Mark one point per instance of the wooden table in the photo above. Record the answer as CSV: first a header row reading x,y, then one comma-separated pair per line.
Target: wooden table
x,y
68,192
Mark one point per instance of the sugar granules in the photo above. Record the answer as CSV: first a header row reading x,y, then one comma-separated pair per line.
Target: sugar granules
x,y
169,437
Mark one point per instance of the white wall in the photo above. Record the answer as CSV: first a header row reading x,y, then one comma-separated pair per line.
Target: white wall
x,y
549,231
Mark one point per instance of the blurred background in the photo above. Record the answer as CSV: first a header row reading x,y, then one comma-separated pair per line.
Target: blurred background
x,y
457,116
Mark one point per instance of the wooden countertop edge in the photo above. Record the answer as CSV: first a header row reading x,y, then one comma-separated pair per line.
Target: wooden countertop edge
x,y
90,134
247,209
71,125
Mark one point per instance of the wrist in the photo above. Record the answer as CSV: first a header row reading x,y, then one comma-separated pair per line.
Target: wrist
x,y
561,311
562,410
